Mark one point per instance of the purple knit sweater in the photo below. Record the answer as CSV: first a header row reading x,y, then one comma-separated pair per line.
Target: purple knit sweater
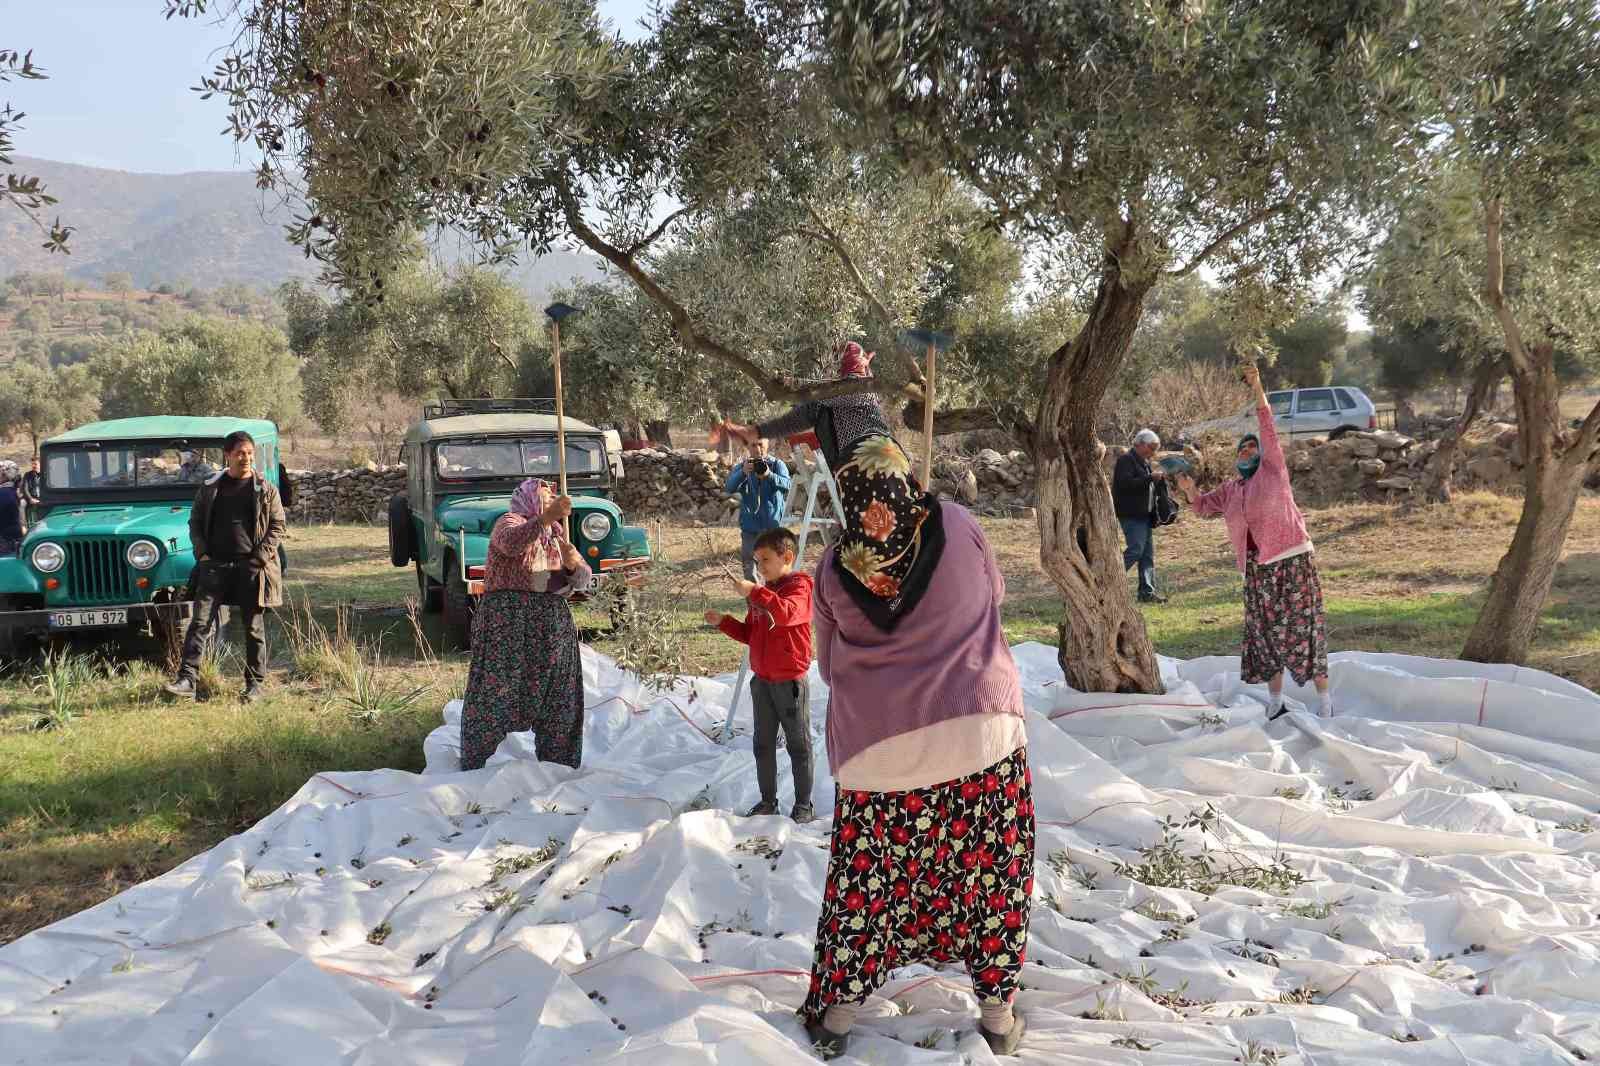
x,y
946,659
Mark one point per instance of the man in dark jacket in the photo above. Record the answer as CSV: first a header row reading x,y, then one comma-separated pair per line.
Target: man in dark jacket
x,y
28,493
235,526
1133,491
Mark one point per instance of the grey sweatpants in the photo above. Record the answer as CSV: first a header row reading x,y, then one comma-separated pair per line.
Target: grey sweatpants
x,y
786,705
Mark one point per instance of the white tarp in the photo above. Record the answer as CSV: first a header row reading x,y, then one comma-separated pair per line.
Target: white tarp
x,y
528,914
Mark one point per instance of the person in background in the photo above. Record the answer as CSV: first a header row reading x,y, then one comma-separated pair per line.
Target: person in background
x,y
527,669
1285,627
931,856
1133,492
777,627
11,526
762,483
235,525
28,491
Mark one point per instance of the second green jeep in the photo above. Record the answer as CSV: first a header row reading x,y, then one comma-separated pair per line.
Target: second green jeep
x,y
463,461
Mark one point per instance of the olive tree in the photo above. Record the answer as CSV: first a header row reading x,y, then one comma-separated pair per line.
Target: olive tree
x,y
1138,142
462,333
1508,230
200,366
525,126
39,400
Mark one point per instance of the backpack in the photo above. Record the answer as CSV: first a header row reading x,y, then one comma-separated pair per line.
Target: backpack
x,y
1166,509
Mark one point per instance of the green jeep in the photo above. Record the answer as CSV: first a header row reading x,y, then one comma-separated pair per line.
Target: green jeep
x,y
463,461
109,555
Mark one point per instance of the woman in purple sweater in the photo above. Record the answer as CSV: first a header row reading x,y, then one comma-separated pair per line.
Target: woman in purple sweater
x,y
932,851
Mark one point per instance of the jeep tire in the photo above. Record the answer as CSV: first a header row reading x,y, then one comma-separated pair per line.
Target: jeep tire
x,y
430,594
402,546
457,608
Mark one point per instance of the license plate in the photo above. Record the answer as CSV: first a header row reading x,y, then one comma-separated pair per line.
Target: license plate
x,y
88,619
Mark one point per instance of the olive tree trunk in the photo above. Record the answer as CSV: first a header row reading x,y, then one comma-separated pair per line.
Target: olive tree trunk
x,y
1555,471
1103,643
1556,464
1441,480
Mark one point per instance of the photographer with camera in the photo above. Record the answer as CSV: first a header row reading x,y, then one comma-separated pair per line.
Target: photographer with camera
x,y
762,484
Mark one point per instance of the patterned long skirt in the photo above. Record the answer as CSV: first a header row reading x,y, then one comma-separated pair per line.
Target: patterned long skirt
x,y
1285,627
526,674
893,533
933,875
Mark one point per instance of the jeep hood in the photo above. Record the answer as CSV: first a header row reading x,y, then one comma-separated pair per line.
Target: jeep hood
x,y
160,522
478,514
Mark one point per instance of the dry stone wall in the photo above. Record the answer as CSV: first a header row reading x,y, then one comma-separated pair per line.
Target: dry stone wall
x,y
686,485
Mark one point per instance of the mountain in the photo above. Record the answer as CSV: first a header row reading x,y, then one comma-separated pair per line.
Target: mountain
x,y
206,229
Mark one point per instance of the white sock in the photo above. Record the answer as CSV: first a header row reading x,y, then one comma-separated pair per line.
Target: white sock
x,y
840,1018
1325,705
997,1017
1274,702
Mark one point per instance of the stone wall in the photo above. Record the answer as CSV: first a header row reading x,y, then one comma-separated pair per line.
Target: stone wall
x,y
358,495
686,485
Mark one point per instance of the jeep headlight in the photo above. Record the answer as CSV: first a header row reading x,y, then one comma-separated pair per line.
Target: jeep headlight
x,y
48,558
142,555
596,526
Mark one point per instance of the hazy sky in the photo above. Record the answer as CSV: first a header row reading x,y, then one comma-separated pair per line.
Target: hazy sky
x,y
119,93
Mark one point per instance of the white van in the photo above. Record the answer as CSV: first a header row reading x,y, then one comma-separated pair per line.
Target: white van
x,y
1329,411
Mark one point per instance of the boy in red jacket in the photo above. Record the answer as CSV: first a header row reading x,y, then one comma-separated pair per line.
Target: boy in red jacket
x,y
777,626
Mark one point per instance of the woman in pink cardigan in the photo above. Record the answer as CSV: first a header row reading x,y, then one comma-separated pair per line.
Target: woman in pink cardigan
x,y
1284,624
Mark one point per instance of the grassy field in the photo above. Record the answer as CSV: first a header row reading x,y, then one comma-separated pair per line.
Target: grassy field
x,y
118,786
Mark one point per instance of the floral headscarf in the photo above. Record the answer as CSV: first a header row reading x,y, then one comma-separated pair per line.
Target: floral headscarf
x,y
530,504
855,363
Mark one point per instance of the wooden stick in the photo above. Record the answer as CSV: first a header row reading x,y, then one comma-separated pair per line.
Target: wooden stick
x,y
927,421
561,423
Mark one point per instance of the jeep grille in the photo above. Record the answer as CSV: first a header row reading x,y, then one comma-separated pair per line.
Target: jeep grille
x,y
96,571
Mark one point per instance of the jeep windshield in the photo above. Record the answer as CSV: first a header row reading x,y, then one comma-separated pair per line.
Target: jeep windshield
x,y
499,459
129,465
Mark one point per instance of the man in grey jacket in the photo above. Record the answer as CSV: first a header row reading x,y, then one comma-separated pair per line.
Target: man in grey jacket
x,y
236,525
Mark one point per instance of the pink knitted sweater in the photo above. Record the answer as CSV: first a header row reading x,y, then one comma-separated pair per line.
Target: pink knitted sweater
x,y
1261,510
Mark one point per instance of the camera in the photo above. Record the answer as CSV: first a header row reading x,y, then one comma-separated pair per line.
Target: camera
x,y
759,467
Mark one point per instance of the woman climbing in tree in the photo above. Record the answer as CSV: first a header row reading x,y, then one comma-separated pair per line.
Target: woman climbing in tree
x,y
1284,624
893,534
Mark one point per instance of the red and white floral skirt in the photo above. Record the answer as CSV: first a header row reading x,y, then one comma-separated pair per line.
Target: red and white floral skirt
x,y
934,875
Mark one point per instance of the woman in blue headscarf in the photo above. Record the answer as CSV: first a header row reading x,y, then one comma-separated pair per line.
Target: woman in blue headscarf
x,y
527,672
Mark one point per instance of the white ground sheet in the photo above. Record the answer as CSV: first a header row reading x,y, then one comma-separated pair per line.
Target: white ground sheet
x,y
529,914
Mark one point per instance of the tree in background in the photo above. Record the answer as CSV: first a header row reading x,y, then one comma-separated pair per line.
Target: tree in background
x,y
33,319
461,334
1306,349
1507,232
201,367
39,400
119,282
26,194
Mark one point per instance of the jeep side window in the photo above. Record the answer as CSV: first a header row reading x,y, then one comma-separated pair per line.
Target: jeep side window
x,y
1280,403
1346,401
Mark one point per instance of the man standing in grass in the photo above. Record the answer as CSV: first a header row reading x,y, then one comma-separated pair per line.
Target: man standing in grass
x,y
235,526
1133,491
28,492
